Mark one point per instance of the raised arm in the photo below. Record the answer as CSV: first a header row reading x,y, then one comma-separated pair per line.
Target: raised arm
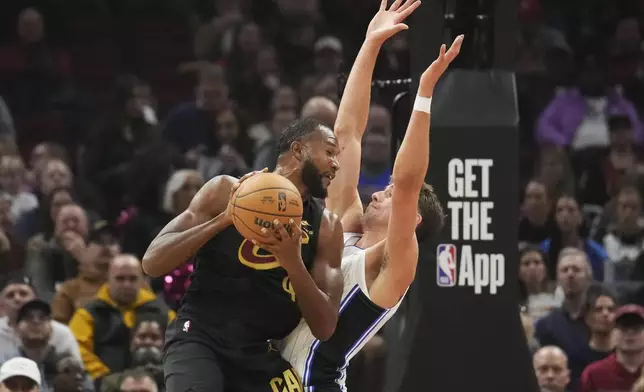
x,y
343,198
410,168
184,235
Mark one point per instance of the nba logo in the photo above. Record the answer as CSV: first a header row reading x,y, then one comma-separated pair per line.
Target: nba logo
x,y
446,265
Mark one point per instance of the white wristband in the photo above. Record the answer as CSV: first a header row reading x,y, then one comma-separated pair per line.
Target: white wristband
x,y
423,104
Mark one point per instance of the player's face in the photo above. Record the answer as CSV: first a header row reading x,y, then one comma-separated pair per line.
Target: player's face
x,y
320,162
379,209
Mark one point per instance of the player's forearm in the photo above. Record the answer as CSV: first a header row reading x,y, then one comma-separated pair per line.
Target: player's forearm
x,y
354,106
170,250
412,160
316,306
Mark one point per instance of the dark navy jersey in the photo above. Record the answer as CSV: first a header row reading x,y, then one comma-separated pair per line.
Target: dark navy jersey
x,y
240,292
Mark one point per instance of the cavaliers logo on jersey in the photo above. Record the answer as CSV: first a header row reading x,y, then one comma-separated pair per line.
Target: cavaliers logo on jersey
x,y
254,257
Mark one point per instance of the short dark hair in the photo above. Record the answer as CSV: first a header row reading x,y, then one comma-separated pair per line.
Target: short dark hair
x,y
296,131
431,213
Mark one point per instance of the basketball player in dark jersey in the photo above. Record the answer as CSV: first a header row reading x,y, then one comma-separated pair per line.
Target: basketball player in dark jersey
x,y
241,296
381,244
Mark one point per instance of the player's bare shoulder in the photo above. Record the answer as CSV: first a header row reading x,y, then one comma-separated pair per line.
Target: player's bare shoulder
x,y
212,198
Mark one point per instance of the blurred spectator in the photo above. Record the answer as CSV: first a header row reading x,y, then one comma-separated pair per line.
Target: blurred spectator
x,y
226,149
140,228
126,127
536,39
12,252
625,240
619,371
321,109
328,58
565,327
266,153
52,262
20,375
627,37
375,172
536,224
33,69
215,37
554,171
103,326
56,174
147,353
602,170
189,124
537,292
138,381
579,117
12,181
34,331
70,377
569,233
599,318
17,292
551,366
39,158
102,247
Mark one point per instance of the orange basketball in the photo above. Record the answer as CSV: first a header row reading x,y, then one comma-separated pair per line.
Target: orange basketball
x,y
260,200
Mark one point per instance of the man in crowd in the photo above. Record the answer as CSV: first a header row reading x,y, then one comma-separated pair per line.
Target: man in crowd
x,y
17,292
619,371
565,327
19,375
102,327
551,367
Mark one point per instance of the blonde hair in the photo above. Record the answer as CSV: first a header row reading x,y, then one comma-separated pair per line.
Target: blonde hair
x,y
176,181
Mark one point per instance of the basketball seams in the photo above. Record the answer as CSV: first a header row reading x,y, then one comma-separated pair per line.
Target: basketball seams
x,y
248,227
268,213
241,196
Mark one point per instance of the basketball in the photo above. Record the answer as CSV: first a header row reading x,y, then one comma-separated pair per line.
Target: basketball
x,y
260,200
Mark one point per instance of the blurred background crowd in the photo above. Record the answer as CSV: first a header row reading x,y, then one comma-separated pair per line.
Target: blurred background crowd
x,y
113,113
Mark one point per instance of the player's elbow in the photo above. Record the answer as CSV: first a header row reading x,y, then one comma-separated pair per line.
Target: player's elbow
x,y
324,331
150,264
325,328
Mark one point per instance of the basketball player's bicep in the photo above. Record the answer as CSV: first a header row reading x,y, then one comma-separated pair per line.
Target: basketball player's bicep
x,y
343,198
396,275
210,201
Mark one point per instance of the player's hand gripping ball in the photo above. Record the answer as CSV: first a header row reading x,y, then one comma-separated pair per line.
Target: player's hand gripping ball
x,y
262,198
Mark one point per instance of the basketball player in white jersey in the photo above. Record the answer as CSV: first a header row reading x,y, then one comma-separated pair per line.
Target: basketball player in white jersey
x,y
381,245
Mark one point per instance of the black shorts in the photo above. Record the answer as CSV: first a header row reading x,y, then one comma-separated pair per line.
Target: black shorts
x,y
195,362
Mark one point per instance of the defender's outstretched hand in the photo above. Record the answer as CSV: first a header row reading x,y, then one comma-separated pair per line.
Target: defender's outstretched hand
x,y
388,22
433,73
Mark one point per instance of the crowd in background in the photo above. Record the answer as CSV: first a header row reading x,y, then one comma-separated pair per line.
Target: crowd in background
x,y
113,113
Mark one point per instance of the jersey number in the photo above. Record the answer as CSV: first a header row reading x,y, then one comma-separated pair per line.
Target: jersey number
x,y
288,287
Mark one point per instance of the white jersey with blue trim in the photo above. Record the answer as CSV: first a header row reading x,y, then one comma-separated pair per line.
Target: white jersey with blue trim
x,y
322,364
